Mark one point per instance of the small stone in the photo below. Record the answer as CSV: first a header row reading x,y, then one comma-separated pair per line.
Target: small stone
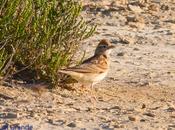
x,y
120,54
1,102
56,122
50,121
115,107
59,122
171,109
136,49
131,18
143,106
137,25
164,7
118,126
154,7
131,118
156,1
71,125
144,83
116,9
149,114
135,9
6,97
142,120
104,126
172,116
127,40
10,115
172,126
2,115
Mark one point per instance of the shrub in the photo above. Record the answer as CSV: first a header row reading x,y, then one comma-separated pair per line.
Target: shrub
x,y
39,36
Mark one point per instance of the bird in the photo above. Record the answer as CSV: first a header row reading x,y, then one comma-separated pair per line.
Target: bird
x,y
93,69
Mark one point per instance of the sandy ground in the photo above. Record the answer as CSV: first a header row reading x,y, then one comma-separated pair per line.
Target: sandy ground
x,y
137,94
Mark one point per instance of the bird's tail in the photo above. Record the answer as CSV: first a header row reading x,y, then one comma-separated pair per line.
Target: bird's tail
x,y
61,71
64,72
74,74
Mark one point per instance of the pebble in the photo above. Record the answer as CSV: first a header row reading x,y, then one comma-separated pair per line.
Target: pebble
x,y
171,109
104,126
172,126
136,49
132,118
135,9
164,7
121,54
149,114
60,122
6,97
118,126
71,125
127,40
143,106
172,116
10,115
2,102
153,7
56,122
131,18
115,107
142,120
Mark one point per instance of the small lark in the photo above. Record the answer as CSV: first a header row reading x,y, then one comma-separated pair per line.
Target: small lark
x,y
95,68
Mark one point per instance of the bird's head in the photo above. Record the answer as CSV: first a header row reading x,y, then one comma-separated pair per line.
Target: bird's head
x,y
104,47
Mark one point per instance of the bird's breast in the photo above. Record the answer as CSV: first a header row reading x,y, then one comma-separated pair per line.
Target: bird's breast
x,y
100,77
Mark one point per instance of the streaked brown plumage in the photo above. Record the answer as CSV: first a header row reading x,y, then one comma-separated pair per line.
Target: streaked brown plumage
x,y
95,68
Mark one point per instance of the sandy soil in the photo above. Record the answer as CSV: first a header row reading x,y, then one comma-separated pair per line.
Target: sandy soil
x,y
137,94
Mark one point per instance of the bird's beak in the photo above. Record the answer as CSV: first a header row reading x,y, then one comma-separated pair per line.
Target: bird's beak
x,y
111,47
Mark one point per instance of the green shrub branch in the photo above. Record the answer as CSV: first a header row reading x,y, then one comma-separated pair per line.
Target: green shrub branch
x,y
40,35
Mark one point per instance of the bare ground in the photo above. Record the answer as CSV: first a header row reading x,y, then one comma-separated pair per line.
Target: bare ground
x,y
137,94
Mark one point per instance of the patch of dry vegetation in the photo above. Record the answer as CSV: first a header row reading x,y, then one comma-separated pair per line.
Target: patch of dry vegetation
x,y
39,37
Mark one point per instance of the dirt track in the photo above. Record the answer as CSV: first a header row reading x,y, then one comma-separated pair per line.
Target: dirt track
x,y
137,94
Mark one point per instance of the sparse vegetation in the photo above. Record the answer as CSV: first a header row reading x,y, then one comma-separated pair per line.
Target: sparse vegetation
x,y
39,36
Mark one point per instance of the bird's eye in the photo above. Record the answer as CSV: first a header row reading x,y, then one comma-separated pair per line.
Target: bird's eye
x,y
103,46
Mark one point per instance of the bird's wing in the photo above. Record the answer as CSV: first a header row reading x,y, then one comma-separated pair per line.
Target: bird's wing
x,y
95,64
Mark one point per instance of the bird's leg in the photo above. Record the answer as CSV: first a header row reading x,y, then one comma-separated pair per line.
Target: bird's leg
x,y
93,98
93,94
